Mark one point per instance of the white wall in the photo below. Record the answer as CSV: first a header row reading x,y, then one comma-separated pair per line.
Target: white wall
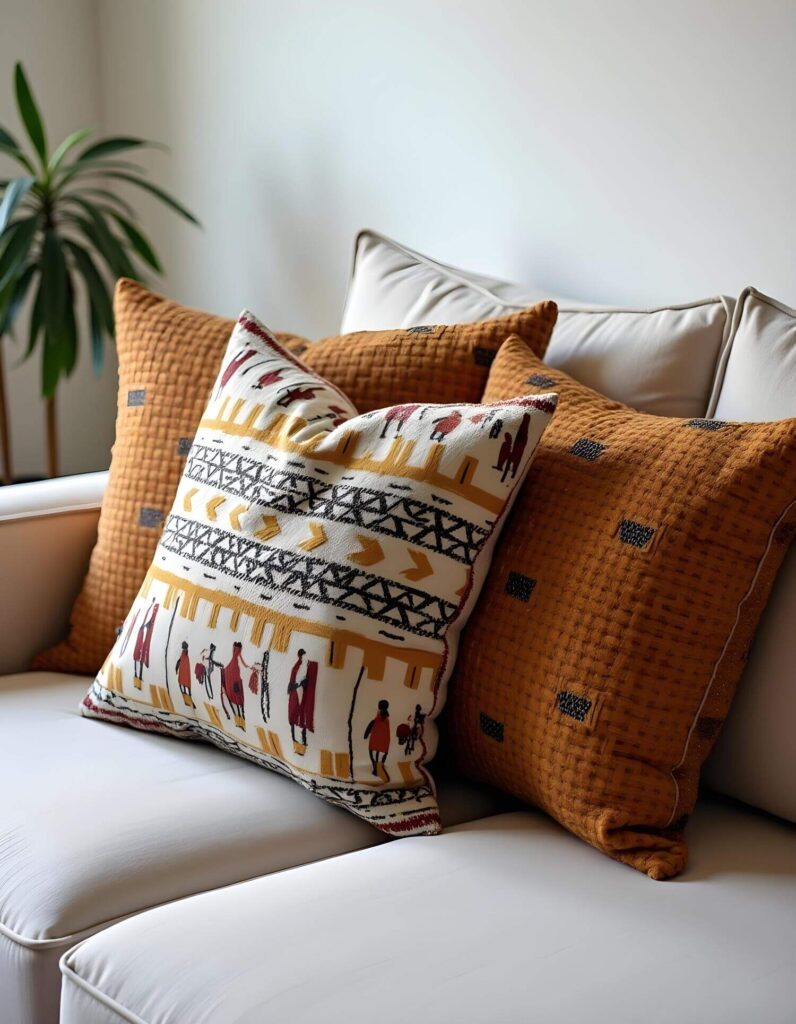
x,y
57,42
624,151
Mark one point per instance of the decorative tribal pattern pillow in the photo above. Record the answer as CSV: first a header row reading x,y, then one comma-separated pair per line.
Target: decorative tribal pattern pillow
x,y
304,602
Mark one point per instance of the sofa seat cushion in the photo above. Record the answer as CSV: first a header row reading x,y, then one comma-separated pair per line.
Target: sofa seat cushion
x,y
89,833
505,919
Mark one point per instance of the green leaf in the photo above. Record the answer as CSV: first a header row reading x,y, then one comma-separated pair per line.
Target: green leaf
x,y
68,339
51,364
164,197
115,144
10,146
29,113
94,195
96,230
98,293
139,242
36,320
20,238
110,197
97,340
92,167
12,196
7,139
17,297
66,145
19,156
55,283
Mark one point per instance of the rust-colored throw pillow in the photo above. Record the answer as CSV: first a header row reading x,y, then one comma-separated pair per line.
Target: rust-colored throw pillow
x,y
168,361
168,357
602,658
425,364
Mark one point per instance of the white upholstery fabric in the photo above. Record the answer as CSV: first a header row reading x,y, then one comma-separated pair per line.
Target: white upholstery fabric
x,y
509,919
757,375
47,531
661,361
99,822
755,756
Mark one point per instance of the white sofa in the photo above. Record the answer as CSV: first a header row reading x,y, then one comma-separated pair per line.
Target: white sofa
x,y
256,903
505,917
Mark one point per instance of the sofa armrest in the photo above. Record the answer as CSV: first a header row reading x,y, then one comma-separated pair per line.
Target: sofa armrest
x,y
47,531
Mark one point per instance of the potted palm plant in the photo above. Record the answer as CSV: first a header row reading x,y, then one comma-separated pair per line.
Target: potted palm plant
x,y
65,231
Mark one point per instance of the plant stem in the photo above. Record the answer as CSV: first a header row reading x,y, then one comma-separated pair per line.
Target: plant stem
x,y
5,427
52,437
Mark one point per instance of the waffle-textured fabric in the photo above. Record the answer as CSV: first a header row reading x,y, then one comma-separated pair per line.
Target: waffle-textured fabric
x,y
304,602
168,359
425,364
602,659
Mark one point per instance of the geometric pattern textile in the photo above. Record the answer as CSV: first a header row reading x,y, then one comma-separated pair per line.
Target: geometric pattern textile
x,y
305,598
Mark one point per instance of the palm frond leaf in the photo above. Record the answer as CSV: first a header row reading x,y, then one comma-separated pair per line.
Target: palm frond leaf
x,y
159,193
30,115
13,195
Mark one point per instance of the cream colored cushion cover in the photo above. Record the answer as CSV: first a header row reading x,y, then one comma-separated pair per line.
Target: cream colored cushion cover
x,y
304,603
755,755
505,921
658,360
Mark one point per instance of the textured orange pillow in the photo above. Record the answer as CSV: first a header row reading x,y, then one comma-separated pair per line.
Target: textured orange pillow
x,y
602,658
168,361
425,364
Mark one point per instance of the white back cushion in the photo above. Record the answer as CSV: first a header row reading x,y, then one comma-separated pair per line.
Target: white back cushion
x,y
757,375
658,360
755,756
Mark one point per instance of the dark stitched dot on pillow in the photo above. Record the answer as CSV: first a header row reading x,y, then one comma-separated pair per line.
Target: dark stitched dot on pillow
x,y
573,705
491,728
700,424
587,449
520,586
635,534
150,517
540,381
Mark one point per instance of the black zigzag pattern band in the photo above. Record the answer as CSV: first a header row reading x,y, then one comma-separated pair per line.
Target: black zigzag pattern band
x,y
286,490
303,576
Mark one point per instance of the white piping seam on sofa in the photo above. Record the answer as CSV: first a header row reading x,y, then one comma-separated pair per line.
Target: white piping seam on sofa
x,y
720,658
100,997
71,939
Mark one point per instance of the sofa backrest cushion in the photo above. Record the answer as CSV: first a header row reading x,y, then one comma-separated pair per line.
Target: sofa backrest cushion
x,y
755,756
601,661
659,360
